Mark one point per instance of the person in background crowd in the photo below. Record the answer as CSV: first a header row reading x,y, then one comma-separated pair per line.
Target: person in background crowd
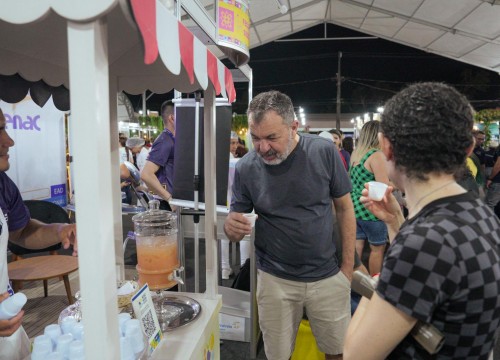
x,y
290,180
17,226
158,172
125,154
492,198
443,264
348,144
489,158
329,136
233,145
337,139
241,150
147,143
479,156
368,164
139,151
466,177
226,270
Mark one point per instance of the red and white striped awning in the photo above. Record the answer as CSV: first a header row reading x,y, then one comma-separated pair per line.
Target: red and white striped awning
x,y
175,44
35,48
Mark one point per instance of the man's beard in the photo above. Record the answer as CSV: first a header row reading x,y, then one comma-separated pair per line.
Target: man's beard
x,y
279,157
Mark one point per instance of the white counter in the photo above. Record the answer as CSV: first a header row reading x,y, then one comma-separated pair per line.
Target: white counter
x,y
196,339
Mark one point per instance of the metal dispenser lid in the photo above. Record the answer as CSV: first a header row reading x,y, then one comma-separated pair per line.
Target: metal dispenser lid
x,y
155,217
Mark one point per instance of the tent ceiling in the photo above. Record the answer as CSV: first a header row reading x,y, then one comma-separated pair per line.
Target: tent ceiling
x,y
463,30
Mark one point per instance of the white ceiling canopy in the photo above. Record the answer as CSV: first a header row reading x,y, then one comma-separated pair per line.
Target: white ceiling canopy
x,y
463,30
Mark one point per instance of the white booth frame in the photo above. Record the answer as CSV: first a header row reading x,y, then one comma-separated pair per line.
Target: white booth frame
x,y
95,46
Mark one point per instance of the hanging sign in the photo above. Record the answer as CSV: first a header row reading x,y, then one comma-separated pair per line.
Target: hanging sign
x,y
233,22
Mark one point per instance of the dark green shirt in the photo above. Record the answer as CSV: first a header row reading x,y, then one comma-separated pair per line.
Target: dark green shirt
x,y
359,177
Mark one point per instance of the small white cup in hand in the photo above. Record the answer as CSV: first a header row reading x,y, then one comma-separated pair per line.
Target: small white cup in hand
x,y
376,190
251,217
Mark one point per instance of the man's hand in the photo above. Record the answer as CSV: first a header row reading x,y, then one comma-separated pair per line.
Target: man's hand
x,y
9,327
347,270
237,226
67,236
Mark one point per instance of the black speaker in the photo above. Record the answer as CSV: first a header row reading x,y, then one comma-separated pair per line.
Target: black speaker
x,y
185,149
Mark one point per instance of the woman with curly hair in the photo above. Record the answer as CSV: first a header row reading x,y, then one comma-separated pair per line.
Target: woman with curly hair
x,y
443,264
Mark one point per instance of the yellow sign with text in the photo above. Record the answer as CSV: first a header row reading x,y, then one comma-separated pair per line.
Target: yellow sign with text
x,y
234,25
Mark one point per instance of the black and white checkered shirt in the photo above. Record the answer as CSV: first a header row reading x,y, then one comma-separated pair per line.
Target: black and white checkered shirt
x,y
444,268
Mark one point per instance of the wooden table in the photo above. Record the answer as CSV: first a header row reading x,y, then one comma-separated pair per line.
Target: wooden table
x,y
43,268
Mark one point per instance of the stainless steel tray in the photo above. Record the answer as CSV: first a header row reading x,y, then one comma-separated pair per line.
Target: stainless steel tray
x,y
178,310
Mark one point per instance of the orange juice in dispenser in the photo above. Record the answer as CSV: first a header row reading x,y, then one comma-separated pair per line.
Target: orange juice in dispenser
x,y
157,256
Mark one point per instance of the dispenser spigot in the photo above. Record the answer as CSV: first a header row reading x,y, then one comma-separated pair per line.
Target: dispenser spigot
x,y
176,275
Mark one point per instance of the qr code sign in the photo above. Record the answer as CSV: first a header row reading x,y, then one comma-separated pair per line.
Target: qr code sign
x,y
148,324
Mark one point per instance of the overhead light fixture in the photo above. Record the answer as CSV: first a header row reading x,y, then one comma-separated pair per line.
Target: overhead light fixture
x,y
282,6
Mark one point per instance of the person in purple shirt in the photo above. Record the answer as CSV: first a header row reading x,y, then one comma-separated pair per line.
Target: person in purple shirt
x,y
158,172
17,226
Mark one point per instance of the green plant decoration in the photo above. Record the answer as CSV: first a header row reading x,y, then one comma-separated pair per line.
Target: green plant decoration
x,y
239,124
151,122
486,117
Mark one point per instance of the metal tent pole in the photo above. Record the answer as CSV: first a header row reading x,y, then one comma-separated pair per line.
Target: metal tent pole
x,y
196,182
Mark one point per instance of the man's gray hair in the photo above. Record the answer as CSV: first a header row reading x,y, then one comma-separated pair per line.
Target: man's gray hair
x,y
271,101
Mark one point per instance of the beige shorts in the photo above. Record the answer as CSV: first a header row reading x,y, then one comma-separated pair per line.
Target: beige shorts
x,y
281,305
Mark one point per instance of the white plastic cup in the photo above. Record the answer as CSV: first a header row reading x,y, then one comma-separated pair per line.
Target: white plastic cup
x,y
55,355
62,345
78,331
376,190
134,335
11,306
76,350
251,217
67,324
53,331
41,354
126,350
132,324
42,347
123,318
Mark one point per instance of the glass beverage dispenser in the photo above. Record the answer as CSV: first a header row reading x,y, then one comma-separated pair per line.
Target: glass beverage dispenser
x,y
157,256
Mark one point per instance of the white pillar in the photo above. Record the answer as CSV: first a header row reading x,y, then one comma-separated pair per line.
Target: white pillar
x,y
89,95
210,193
115,178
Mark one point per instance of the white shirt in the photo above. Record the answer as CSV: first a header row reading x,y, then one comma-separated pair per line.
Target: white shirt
x,y
141,158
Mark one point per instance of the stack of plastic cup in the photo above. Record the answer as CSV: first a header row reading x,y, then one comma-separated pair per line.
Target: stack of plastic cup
x,y
67,325
42,347
78,331
122,319
55,355
76,350
60,342
53,331
62,345
65,342
133,333
126,350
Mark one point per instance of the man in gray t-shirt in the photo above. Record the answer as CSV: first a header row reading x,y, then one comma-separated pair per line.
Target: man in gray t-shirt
x,y
289,180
